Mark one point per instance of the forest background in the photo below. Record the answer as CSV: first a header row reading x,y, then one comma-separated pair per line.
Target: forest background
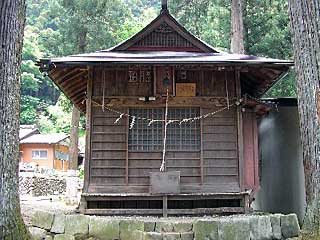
x,y
64,27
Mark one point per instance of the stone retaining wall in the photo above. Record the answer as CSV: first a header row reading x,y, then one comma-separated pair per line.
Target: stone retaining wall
x,y
51,226
41,185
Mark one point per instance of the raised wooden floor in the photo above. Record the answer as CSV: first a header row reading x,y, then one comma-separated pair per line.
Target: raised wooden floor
x,y
172,204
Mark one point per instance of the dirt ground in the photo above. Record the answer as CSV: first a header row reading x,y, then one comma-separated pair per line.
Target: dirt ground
x,y
52,204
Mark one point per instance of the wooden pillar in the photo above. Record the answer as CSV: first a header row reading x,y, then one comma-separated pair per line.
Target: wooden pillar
x,y
201,153
239,131
165,206
247,208
88,132
127,149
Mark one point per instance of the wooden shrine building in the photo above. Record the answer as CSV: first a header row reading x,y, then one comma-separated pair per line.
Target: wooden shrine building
x,y
211,157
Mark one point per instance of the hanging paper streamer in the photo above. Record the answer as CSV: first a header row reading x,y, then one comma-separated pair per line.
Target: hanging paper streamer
x,y
119,118
185,120
180,121
153,121
171,121
133,121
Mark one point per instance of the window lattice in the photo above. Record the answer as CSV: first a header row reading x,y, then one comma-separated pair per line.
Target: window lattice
x,y
142,137
187,135
179,137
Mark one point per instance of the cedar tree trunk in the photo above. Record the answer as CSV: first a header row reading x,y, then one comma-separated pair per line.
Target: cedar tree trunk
x,y
12,20
237,28
74,138
305,26
74,134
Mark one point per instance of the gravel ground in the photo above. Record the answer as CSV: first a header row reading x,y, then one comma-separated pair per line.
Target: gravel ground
x,y
49,203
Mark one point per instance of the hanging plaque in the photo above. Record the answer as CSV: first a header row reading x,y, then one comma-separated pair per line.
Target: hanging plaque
x,y
185,89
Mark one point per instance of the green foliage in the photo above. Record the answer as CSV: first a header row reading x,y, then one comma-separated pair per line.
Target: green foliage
x,y
81,172
286,87
268,34
207,19
28,110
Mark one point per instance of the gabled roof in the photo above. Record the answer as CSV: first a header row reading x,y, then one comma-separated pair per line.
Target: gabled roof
x,y
27,130
163,41
165,23
53,138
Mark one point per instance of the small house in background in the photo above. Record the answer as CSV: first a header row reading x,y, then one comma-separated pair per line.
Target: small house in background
x,y
207,136
48,151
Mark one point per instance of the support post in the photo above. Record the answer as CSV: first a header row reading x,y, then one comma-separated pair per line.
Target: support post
x,y
246,204
88,133
165,206
240,131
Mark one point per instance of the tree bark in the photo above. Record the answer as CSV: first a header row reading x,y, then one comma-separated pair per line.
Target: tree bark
x,y
305,26
74,133
74,138
237,27
12,21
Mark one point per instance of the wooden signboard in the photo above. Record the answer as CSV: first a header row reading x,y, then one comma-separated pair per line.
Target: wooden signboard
x,y
165,182
185,89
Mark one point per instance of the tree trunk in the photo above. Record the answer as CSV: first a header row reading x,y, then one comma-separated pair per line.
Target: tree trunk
x,y
12,21
237,29
305,25
74,138
74,134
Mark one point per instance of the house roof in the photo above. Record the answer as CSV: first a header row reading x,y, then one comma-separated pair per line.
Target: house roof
x,y
71,73
165,57
53,138
27,130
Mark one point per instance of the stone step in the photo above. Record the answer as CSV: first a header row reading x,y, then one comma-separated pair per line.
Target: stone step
x,y
170,226
168,236
236,227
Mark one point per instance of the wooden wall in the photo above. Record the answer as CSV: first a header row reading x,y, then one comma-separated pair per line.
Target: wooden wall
x,y
116,81
212,168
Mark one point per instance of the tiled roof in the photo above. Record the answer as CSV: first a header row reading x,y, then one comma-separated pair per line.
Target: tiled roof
x,y
45,138
27,130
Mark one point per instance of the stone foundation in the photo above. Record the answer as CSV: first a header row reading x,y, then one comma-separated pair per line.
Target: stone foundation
x,y
42,186
52,226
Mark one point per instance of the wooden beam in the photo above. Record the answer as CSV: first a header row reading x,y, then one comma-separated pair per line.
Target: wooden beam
x,y
65,74
201,153
70,81
127,149
82,89
111,212
165,206
57,73
196,211
88,134
205,102
240,131
75,85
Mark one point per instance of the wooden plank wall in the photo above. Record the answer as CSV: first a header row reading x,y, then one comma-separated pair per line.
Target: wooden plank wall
x,y
117,83
109,144
219,143
113,168
251,156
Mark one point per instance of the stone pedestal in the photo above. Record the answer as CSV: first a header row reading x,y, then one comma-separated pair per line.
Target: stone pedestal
x,y
72,181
